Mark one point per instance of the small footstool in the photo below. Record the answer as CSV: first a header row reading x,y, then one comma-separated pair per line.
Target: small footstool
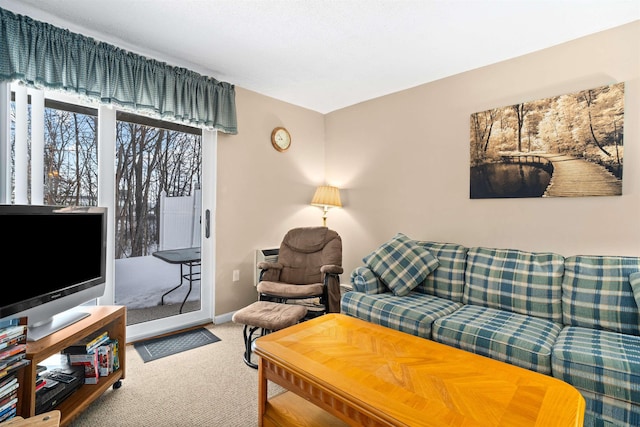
x,y
267,317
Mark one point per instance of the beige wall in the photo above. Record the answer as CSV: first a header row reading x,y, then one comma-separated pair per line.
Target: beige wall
x,y
403,164
262,193
403,159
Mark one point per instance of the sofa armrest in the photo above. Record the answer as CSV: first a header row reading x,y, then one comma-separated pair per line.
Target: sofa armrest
x,y
365,280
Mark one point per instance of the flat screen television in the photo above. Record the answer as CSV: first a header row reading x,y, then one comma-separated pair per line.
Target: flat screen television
x,y
57,256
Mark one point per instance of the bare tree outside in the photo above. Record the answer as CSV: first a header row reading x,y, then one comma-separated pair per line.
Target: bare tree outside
x,y
566,146
150,160
70,158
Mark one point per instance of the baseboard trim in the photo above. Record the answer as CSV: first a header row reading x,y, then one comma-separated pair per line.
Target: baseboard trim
x,y
223,318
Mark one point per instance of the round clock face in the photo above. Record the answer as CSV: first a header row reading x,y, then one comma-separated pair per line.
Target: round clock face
x,y
280,139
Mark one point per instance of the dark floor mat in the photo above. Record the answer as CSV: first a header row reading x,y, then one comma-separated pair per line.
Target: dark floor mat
x,y
157,348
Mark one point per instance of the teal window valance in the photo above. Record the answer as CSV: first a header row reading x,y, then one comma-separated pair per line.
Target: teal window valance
x,y
44,56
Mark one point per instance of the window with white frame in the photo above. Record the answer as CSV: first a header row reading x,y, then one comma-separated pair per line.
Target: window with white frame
x,y
53,160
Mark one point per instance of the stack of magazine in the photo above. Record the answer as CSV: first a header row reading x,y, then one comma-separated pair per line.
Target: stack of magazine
x,y
13,351
98,355
81,363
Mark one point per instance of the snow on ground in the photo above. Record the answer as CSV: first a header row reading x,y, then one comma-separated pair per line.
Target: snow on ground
x,y
141,281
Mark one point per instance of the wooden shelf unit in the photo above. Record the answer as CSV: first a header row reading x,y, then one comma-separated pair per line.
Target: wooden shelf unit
x,y
102,318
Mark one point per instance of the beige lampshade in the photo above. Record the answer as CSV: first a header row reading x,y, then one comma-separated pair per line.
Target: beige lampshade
x,y
327,196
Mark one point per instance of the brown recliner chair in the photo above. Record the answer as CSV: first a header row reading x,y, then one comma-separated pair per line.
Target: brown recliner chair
x,y
308,267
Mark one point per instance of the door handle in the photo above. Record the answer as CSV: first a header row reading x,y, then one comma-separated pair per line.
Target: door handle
x,y
207,223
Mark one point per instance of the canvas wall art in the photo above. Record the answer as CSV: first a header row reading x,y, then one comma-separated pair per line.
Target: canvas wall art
x,y
565,146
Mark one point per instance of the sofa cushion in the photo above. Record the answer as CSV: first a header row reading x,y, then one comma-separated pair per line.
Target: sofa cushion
x,y
601,362
596,293
604,411
634,281
446,281
401,264
528,283
524,341
413,313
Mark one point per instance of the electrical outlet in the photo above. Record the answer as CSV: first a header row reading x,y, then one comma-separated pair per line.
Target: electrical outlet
x,y
236,275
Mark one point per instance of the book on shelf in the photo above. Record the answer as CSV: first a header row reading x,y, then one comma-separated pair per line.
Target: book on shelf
x,y
10,404
114,363
8,334
104,360
14,367
5,323
12,350
8,397
90,363
9,386
4,382
40,379
8,361
87,345
48,383
8,414
13,341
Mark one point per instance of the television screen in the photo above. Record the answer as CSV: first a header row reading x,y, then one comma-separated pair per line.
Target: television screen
x,y
56,253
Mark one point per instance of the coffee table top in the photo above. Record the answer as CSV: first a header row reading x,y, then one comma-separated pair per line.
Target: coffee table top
x,y
407,380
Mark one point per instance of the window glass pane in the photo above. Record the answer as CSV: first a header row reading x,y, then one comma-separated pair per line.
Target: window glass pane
x,y
70,158
152,163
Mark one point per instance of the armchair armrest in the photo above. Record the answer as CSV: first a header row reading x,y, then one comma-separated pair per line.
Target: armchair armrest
x,y
331,278
365,280
331,269
265,265
269,271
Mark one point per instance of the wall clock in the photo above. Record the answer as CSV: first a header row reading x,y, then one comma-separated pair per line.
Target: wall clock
x,y
280,139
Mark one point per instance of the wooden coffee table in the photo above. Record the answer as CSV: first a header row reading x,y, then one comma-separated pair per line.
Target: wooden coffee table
x,y
340,370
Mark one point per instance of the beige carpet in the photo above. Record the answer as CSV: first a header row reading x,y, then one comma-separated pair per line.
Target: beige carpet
x,y
206,386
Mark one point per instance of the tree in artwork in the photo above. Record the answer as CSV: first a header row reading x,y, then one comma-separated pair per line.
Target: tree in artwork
x,y
587,126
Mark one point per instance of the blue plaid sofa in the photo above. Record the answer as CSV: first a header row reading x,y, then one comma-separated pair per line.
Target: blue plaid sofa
x,y
574,318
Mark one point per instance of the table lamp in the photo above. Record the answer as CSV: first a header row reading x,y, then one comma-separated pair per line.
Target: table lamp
x,y
326,197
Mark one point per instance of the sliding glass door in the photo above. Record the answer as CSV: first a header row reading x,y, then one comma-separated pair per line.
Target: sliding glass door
x,y
149,173
157,218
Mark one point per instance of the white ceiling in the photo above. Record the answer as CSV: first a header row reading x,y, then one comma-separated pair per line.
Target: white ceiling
x,y
328,54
